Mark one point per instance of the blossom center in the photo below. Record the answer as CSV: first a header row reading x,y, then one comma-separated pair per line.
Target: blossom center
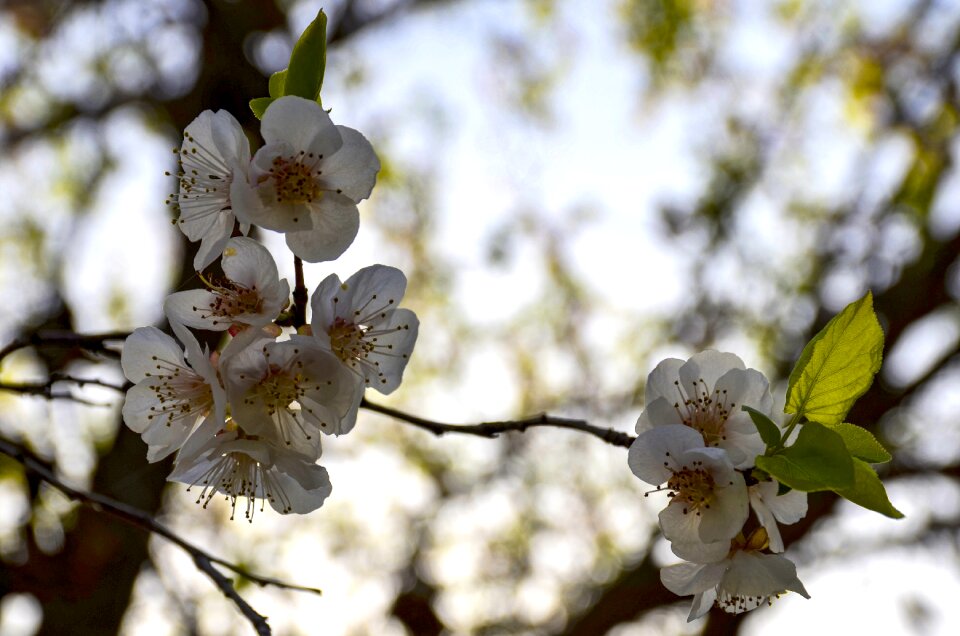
x,y
181,394
294,180
231,299
347,340
279,389
705,412
239,475
693,487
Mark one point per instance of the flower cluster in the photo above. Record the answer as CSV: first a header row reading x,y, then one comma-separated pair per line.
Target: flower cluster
x,y
697,443
246,421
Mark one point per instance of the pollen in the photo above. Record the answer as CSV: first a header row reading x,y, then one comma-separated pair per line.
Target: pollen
x,y
295,181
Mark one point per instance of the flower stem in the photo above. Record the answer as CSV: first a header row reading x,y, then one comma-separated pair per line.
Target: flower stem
x,y
299,295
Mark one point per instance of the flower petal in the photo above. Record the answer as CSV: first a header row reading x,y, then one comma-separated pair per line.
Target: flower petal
x,y
335,225
351,170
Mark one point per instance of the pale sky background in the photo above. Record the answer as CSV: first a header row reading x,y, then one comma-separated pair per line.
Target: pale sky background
x,y
606,151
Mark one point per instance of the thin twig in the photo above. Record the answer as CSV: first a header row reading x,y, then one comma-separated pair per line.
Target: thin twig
x,y
300,295
493,429
46,390
95,343
133,516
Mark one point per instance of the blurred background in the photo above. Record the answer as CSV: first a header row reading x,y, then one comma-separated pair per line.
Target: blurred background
x,y
575,192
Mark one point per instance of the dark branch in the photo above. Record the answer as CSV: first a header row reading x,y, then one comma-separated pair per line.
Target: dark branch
x,y
493,429
94,343
300,295
135,517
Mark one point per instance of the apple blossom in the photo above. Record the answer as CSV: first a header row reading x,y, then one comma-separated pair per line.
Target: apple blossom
x,y
359,321
708,499
172,393
252,293
239,465
706,393
307,179
287,392
739,581
215,153
770,508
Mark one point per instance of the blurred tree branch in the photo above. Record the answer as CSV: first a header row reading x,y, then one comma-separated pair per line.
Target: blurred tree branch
x,y
137,518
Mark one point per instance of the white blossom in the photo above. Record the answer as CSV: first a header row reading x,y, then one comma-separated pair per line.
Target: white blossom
x,y
771,508
172,393
706,393
288,392
252,293
359,321
708,497
214,154
243,466
307,179
738,582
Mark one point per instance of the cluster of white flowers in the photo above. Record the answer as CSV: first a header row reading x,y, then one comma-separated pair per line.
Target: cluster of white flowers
x,y
246,420
695,442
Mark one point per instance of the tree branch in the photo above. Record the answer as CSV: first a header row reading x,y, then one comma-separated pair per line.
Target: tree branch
x,y
300,295
494,429
95,343
135,517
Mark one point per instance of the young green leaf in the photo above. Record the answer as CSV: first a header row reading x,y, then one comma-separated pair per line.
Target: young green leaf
x,y
838,365
868,491
259,105
278,83
818,460
308,61
861,443
769,432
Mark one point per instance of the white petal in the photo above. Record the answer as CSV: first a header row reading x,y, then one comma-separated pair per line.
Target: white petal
x,y
702,603
324,308
376,286
247,262
301,123
393,350
305,486
336,222
684,579
352,170
213,240
654,455
708,366
142,350
660,382
192,308
760,575
727,513
698,552
661,412
680,526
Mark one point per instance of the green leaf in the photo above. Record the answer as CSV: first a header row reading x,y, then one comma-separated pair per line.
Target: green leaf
x,y
769,432
861,443
308,61
259,105
818,460
277,83
868,491
838,365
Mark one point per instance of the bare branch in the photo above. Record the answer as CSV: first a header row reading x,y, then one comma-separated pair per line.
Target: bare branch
x,y
46,390
300,295
493,429
94,343
135,517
